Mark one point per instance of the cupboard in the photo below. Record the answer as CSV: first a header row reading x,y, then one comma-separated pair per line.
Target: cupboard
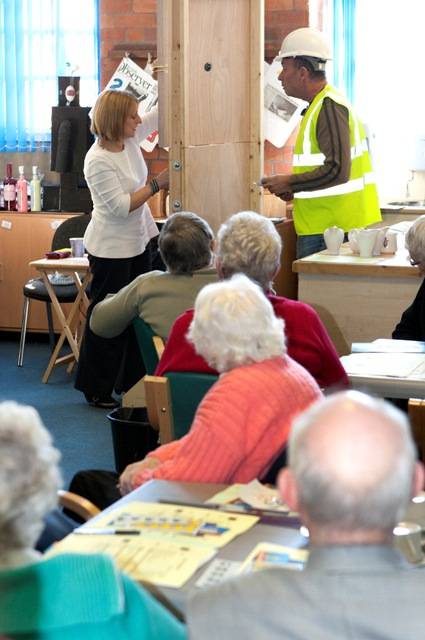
x,y
23,237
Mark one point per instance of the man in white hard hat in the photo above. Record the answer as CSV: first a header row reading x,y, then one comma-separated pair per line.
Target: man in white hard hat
x,y
332,181
352,472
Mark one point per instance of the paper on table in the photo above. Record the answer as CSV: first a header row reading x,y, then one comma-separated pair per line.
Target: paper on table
x,y
405,365
177,523
161,562
266,555
254,494
386,345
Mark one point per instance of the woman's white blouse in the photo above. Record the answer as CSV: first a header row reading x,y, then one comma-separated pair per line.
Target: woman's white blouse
x,y
114,231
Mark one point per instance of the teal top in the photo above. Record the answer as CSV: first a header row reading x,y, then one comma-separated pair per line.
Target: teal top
x,y
73,596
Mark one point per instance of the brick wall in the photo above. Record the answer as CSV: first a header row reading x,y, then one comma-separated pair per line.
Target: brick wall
x,y
130,25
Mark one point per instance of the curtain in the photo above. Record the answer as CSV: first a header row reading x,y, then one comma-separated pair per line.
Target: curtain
x,y
39,41
344,41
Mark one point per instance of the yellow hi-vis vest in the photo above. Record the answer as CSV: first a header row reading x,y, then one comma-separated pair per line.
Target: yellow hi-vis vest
x,y
349,205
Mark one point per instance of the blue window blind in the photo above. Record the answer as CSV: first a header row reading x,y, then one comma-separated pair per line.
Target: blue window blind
x,y
344,37
39,41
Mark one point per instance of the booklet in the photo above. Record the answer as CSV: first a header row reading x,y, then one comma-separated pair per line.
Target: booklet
x,y
162,544
266,555
165,563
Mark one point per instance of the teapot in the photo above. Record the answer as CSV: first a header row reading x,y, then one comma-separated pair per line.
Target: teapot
x,y
334,237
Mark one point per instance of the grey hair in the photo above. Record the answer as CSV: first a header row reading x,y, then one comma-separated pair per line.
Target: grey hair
x,y
234,325
331,500
185,243
415,242
249,243
29,475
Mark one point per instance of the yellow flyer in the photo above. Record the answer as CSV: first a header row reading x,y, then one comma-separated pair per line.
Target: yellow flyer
x,y
161,562
175,522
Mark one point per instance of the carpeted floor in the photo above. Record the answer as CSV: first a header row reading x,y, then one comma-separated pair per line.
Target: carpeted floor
x,y
81,433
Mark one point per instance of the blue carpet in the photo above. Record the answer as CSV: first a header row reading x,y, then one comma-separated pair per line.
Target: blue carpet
x,y
80,432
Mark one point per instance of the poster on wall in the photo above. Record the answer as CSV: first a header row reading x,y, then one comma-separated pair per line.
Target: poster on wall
x,y
282,113
128,76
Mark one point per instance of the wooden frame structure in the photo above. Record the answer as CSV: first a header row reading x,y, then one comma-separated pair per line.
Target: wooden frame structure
x,y
210,64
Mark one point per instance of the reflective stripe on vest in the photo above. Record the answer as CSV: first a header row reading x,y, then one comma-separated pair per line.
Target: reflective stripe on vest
x,y
318,159
357,184
308,159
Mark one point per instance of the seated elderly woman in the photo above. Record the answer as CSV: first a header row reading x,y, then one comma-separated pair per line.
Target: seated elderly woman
x,y
64,596
412,322
243,422
249,243
186,247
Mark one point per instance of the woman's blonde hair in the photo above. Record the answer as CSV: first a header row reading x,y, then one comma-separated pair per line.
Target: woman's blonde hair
x,y
109,114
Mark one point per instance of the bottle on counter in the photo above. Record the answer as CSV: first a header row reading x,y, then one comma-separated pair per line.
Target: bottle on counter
x,y
35,190
1,195
9,189
22,191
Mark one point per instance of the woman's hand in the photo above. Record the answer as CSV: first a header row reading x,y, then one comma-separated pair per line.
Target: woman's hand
x,y
128,476
163,179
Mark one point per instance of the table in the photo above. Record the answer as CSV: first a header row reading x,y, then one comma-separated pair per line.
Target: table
x,y
77,268
358,299
195,493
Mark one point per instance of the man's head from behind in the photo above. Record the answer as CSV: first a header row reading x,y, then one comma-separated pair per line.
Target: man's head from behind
x,y
249,243
186,243
351,469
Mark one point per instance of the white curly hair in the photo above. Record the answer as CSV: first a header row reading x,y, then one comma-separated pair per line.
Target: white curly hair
x,y
415,243
29,475
249,243
234,324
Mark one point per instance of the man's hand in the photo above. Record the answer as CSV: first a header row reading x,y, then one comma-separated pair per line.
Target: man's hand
x,y
278,184
287,196
128,476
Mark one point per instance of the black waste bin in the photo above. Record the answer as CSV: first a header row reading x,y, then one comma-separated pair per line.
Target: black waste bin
x,y
132,435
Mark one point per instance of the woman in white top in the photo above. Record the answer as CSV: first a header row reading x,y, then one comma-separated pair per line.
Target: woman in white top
x,y
118,236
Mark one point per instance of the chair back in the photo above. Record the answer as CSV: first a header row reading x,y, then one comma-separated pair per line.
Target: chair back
x,y
186,391
146,339
73,227
172,400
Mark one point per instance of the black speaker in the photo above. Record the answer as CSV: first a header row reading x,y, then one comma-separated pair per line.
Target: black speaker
x,y
71,138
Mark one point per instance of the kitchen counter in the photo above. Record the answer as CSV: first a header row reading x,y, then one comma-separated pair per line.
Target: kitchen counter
x,y
391,214
358,299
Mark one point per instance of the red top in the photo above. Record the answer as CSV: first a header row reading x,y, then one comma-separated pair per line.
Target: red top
x,y
307,342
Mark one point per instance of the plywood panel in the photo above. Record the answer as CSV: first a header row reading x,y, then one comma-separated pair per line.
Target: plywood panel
x,y
219,107
216,194
218,100
162,67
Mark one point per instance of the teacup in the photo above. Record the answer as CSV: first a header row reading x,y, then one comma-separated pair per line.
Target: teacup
x,y
407,537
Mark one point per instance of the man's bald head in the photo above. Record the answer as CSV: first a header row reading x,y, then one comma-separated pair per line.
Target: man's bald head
x,y
353,461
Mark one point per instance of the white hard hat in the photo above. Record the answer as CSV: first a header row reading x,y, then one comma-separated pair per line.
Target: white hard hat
x,y
307,42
